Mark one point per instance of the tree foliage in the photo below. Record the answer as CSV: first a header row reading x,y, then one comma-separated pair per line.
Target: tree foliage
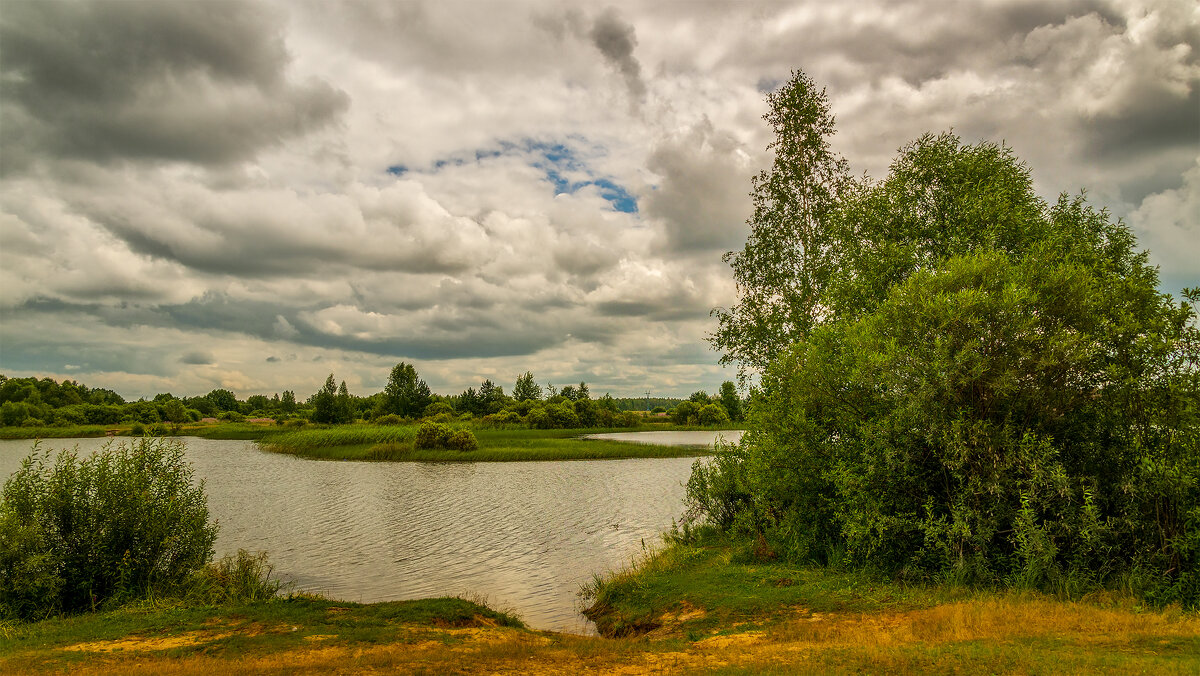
x,y
526,389
973,384
405,394
782,272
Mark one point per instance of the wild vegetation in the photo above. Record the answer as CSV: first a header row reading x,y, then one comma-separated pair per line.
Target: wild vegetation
x,y
31,408
959,382
492,444
124,524
713,609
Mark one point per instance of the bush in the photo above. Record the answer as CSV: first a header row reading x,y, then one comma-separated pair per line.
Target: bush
x,y
389,419
501,419
436,435
712,415
245,578
686,413
124,523
438,408
461,440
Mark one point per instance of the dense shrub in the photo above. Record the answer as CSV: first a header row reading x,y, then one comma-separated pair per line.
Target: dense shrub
x,y
438,408
562,415
433,435
389,419
76,534
959,381
1030,422
712,415
502,419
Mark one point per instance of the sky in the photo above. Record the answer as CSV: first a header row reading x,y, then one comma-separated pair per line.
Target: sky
x,y
251,195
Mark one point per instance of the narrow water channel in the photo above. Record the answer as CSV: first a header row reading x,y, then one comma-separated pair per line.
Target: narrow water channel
x,y
522,535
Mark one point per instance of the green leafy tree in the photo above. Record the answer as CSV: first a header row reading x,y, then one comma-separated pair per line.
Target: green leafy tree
x,y
526,389
794,204
174,411
287,402
491,397
258,402
222,400
345,410
976,385
405,394
324,403
731,401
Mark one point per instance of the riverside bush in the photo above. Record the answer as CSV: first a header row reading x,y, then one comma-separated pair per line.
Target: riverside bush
x,y
959,381
433,435
77,534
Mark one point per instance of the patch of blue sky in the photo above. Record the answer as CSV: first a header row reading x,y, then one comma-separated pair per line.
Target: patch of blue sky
x,y
564,167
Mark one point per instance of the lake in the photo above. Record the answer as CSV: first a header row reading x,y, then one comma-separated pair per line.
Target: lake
x,y
522,535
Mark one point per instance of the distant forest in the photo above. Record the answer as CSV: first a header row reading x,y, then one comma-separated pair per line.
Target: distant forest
x,y
35,402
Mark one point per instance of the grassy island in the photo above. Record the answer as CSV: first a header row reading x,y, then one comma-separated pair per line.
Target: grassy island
x,y
398,443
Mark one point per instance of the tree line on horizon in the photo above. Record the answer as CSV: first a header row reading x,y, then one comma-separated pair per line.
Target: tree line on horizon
x,y
37,402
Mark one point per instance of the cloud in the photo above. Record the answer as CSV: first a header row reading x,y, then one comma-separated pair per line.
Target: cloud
x,y
198,358
101,81
703,197
1167,224
341,186
616,39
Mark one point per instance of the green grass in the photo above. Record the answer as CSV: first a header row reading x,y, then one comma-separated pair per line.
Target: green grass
x,y
223,430
229,431
395,443
278,625
722,576
708,605
64,432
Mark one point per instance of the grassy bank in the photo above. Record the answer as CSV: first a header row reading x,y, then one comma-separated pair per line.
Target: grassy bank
x,y
688,610
220,430
65,432
298,634
395,443
780,618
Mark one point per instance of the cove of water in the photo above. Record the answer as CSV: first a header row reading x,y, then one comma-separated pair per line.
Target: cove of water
x,y
522,535
673,437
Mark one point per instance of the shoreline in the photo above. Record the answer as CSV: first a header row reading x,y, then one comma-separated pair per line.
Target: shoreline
x,y
394,443
821,622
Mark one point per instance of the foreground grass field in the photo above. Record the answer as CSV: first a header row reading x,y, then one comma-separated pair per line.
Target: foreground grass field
x,y
687,610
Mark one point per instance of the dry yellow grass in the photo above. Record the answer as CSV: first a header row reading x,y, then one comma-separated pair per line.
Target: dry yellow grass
x,y
1013,634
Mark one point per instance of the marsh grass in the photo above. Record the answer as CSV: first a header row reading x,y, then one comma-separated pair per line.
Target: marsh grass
x,y
64,432
360,437
395,443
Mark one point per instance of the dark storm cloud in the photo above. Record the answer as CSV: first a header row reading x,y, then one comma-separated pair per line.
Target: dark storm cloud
x,y
616,40
1153,121
702,198
198,358
199,82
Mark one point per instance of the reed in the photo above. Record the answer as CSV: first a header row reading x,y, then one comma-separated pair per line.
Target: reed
x,y
395,443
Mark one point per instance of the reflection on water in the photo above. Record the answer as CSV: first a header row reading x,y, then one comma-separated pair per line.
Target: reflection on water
x,y
524,535
673,438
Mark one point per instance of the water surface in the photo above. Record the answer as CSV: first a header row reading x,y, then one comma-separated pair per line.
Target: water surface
x,y
524,535
673,438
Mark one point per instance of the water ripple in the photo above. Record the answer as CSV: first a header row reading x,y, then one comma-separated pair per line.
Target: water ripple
x,y
524,535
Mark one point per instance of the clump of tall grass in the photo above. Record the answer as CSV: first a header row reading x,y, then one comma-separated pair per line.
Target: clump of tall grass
x,y
244,578
343,435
